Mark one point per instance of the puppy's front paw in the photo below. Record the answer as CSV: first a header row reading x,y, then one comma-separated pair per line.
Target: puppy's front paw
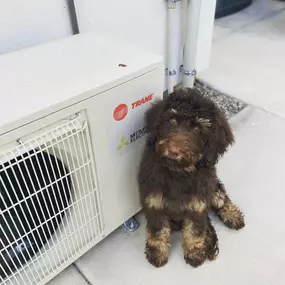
x,y
232,216
195,256
157,255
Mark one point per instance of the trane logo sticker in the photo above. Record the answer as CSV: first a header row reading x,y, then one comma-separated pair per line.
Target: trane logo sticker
x,y
142,101
121,111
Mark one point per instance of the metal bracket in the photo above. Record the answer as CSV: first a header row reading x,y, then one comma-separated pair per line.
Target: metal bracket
x,y
170,72
131,224
188,72
172,4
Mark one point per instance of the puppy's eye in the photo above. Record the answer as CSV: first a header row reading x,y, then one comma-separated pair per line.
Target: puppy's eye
x,y
173,111
205,122
196,129
173,121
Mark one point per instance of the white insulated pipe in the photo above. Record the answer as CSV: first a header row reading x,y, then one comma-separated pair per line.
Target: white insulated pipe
x,y
197,21
171,63
190,46
184,7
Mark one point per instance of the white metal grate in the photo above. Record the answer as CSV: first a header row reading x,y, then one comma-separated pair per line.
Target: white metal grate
x,y
49,203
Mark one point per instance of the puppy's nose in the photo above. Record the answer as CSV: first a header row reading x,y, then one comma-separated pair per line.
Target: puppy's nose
x,y
173,153
164,148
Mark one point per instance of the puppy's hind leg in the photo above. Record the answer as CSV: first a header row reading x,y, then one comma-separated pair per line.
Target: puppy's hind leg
x,y
228,212
211,241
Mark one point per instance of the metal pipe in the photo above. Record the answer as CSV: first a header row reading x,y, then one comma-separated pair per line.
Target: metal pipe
x,y
184,7
171,69
199,31
191,36
73,16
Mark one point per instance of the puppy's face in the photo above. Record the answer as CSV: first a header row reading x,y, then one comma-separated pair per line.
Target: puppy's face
x,y
188,130
180,138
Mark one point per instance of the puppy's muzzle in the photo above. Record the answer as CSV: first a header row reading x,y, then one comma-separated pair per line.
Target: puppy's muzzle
x,y
166,149
178,149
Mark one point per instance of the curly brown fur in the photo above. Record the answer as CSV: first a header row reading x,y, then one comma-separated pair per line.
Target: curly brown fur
x,y
194,242
187,134
212,242
228,212
158,245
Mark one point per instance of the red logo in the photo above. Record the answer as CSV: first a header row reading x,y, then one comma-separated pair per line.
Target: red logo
x,y
142,101
120,112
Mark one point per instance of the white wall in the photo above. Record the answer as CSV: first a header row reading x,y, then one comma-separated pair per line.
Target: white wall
x,y
25,23
142,22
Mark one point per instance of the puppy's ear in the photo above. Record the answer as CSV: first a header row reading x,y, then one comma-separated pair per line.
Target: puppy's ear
x,y
152,117
219,137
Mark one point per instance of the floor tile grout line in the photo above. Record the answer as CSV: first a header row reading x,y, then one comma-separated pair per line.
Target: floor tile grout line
x,y
81,274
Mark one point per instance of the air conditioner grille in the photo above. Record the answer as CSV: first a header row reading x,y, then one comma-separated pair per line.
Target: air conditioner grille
x,y
49,203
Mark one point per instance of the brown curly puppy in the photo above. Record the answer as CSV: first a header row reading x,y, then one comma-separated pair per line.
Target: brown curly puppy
x,y
187,134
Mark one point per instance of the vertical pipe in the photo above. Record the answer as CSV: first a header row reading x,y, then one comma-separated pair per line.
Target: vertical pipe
x,y
171,70
73,16
190,47
184,7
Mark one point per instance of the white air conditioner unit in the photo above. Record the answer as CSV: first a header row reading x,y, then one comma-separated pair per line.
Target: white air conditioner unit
x,y
71,136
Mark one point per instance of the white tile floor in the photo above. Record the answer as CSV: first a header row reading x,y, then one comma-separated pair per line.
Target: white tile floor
x,y
69,276
248,56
